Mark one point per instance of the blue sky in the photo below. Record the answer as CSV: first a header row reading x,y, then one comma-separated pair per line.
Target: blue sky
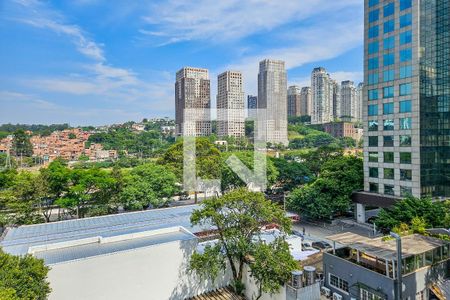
x,y
102,61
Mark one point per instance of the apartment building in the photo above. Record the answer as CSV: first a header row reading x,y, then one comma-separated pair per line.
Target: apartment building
x,y
230,105
192,102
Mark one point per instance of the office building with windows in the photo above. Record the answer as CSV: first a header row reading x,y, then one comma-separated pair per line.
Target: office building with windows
x,y
294,101
359,101
305,101
272,96
252,105
230,105
406,104
192,102
349,101
322,90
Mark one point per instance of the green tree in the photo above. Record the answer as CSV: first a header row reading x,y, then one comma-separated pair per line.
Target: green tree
x,y
207,160
291,174
23,277
315,159
330,194
230,180
20,197
52,183
238,217
432,213
271,266
21,145
148,184
88,192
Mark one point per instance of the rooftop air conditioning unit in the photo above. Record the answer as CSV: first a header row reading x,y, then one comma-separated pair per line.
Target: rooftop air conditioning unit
x,y
325,291
336,296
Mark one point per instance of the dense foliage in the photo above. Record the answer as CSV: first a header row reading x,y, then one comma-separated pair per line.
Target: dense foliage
x,y
330,194
35,128
434,214
23,278
142,144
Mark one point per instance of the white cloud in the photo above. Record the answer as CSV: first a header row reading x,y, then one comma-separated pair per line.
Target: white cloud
x,y
225,20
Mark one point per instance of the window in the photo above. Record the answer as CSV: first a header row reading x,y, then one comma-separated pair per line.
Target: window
x,y
338,283
405,89
388,157
373,31
373,110
372,78
373,187
405,4
388,92
405,106
373,94
406,37
405,175
405,140
405,20
373,47
405,191
388,75
388,59
389,43
388,190
405,55
388,141
374,15
388,26
388,108
373,2
405,72
373,141
373,172
373,63
373,125
373,156
405,157
388,173
389,9
388,125
405,124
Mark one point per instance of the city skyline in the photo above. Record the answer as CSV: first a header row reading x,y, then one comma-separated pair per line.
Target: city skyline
x,y
82,71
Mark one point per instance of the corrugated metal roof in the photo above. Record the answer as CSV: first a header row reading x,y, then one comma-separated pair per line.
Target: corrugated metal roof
x,y
18,240
387,249
65,254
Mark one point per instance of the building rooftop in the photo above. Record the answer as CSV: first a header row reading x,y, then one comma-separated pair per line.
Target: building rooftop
x,y
387,249
19,240
220,294
86,248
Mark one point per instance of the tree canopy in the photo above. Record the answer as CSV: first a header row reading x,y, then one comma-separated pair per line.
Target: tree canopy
x,y
330,194
23,277
238,217
434,214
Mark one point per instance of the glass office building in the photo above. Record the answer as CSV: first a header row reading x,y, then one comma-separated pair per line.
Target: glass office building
x,y
406,107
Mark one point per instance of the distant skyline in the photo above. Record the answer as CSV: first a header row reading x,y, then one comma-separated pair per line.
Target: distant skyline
x,y
89,62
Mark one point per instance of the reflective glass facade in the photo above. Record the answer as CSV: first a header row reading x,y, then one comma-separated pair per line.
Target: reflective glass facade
x,y
435,97
407,97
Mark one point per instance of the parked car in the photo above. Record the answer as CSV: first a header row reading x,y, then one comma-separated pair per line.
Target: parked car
x,y
322,245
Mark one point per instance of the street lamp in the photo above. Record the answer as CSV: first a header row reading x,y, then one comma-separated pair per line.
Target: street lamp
x,y
399,264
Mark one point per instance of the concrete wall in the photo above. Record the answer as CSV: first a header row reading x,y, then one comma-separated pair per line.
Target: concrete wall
x,y
355,274
154,273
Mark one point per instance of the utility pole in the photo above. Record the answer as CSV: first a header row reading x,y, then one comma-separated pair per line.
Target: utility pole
x,y
398,238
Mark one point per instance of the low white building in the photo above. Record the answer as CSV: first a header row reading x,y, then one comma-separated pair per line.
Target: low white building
x,y
138,255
